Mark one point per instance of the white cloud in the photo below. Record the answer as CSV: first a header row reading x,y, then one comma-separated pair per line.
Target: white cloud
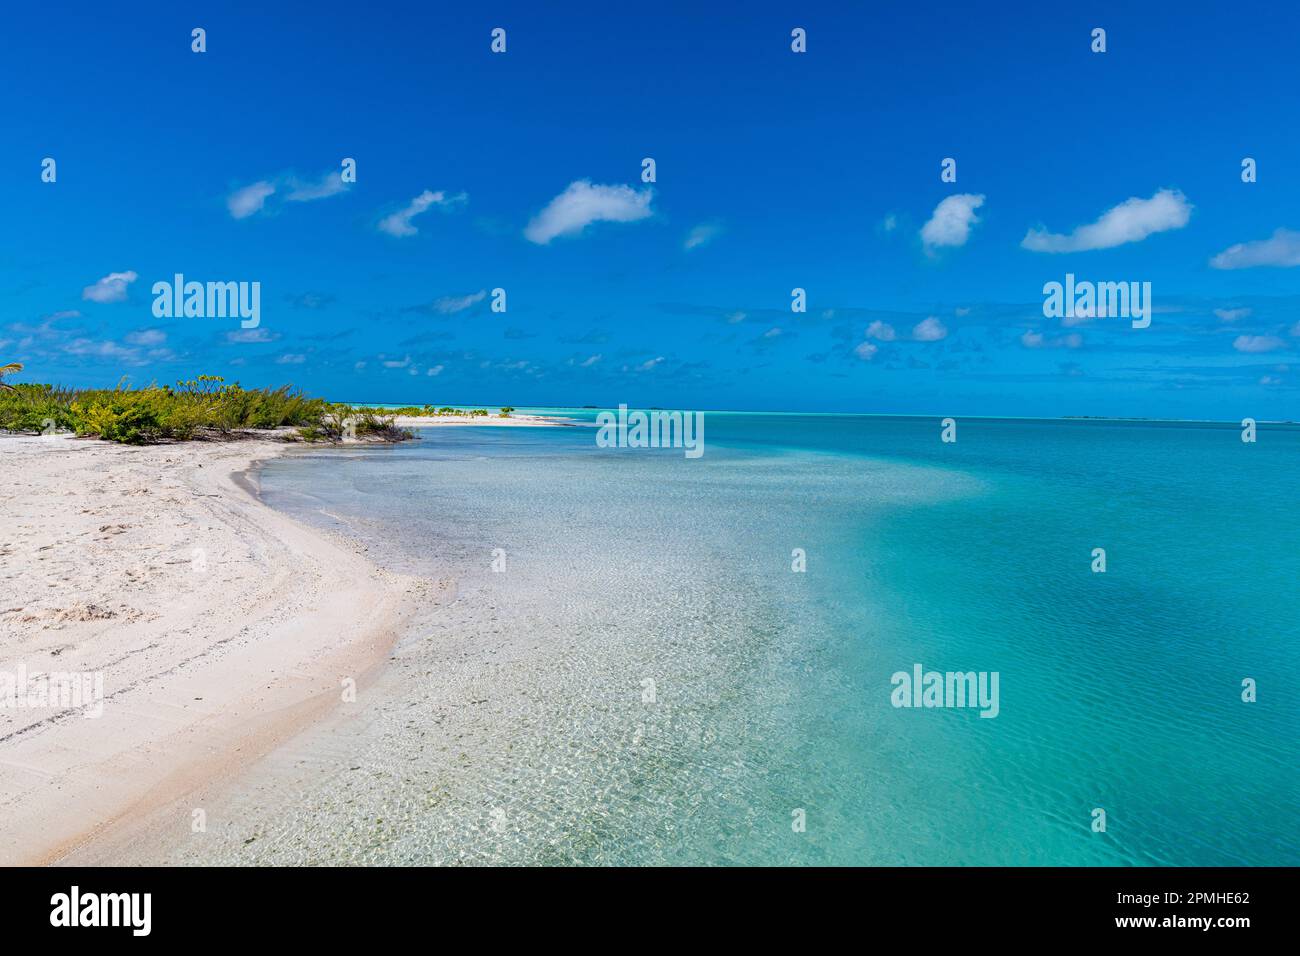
x,y
1036,340
398,363
399,223
1258,343
736,317
701,235
111,288
1082,315
950,223
1281,249
147,337
591,360
882,331
434,370
890,223
291,358
929,330
1131,221
866,351
647,366
330,184
1231,315
451,304
242,203
103,349
772,333
251,335
249,200
583,203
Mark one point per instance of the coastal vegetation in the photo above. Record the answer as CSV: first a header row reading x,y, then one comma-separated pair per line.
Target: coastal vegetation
x,y
432,411
341,422
206,407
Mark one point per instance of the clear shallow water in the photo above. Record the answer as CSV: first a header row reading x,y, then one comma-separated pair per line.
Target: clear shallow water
x,y
512,724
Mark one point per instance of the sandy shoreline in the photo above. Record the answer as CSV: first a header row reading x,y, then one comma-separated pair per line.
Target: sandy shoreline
x,y
516,420
218,626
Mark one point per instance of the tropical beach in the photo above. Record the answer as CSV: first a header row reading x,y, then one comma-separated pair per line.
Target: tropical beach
x,y
581,437
598,685
219,626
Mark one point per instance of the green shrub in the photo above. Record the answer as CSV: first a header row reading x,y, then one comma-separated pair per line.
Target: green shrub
x,y
206,405
131,418
202,407
33,408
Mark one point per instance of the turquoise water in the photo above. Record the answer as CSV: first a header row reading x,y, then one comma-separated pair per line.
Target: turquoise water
x,y
515,723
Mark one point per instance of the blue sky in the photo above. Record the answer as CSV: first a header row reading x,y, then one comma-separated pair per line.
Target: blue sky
x,y
775,170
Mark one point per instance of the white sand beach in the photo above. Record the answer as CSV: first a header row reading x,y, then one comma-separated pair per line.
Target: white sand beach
x,y
218,626
516,420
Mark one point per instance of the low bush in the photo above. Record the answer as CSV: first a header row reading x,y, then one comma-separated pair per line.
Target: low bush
x,y
343,422
201,407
